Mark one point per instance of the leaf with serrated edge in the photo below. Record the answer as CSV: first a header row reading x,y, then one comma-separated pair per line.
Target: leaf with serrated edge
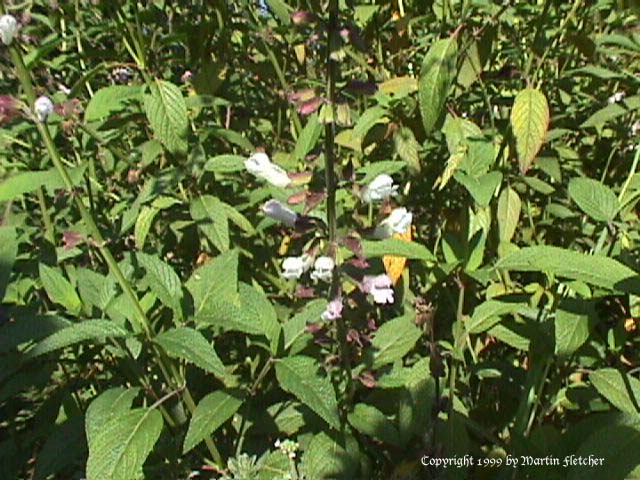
x,y
166,111
298,376
190,345
529,122
163,281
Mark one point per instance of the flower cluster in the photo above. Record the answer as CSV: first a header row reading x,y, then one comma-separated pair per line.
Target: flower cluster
x,y
288,447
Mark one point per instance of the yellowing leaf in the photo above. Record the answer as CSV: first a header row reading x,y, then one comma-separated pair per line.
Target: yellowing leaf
x,y
529,121
394,265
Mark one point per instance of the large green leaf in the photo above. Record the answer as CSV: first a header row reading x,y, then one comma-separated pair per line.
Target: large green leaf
x,y
58,289
299,375
436,76
163,281
211,217
8,254
212,411
529,122
622,390
326,459
215,280
394,339
104,408
122,445
572,325
308,138
167,114
371,421
400,248
594,198
94,330
190,345
593,269
109,100
225,164
488,313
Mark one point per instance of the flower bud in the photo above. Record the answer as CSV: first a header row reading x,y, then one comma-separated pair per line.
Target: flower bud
x,y
323,269
276,210
260,166
9,109
381,188
8,28
333,310
43,108
303,17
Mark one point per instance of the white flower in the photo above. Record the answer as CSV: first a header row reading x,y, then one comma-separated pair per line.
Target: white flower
x,y
616,97
259,165
43,108
635,128
397,222
323,269
379,189
294,267
379,287
8,28
278,211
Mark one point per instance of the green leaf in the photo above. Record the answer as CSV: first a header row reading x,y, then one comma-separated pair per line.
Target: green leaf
x,y
326,459
407,148
436,76
373,169
509,207
216,279
108,405
594,198
593,269
58,289
481,188
488,313
397,247
109,100
225,164
299,376
211,217
190,345
29,329
572,325
212,411
281,10
143,224
94,330
529,122
369,118
308,138
163,281
26,182
8,254
622,390
372,422
615,110
121,447
167,114
295,330
394,339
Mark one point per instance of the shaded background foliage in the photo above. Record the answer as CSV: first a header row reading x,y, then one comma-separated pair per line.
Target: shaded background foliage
x,y
511,130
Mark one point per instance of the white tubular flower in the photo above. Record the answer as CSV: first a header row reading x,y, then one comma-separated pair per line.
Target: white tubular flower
x,y
397,222
379,287
8,28
616,97
379,189
293,267
43,108
323,269
278,211
259,165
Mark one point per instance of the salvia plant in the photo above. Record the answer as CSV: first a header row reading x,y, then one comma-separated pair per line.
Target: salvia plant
x,y
319,239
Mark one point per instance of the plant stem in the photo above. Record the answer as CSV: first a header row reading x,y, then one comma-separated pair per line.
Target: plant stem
x,y
330,182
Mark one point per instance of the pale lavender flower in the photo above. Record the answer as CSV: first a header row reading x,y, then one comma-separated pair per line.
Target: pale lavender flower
x,y
379,287
8,28
333,310
276,210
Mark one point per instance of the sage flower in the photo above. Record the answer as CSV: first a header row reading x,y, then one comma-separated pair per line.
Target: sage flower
x,y
261,166
276,210
379,287
294,267
397,222
381,188
333,310
43,107
8,28
323,269
616,98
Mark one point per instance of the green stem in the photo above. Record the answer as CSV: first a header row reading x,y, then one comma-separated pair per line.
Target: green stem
x,y
330,183
46,219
